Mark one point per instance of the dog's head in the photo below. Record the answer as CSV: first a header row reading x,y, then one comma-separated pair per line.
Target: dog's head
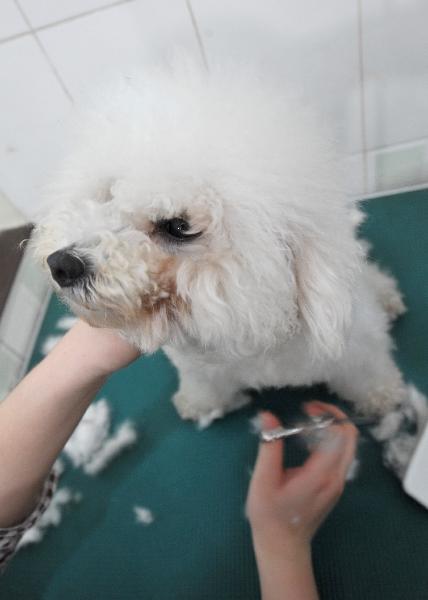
x,y
202,209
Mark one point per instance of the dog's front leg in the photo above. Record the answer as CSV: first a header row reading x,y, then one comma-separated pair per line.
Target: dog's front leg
x,y
204,399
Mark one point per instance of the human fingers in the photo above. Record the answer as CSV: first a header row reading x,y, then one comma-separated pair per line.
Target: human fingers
x,y
268,469
327,446
349,452
317,408
338,442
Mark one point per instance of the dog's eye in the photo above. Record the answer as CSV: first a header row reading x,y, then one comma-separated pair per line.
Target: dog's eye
x,y
176,229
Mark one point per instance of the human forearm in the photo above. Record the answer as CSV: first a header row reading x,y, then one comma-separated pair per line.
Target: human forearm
x,y
39,416
36,421
285,572
286,506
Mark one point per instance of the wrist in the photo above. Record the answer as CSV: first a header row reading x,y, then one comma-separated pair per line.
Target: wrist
x,y
285,569
87,351
277,542
100,351
73,358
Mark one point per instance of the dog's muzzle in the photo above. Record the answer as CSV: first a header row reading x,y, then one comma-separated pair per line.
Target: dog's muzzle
x,y
67,268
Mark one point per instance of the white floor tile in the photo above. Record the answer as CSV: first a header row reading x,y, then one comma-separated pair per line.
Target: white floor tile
x,y
32,105
43,12
116,40
396,70
312,44
11,21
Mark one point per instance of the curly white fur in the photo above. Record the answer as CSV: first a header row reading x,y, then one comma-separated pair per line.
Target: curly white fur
x,y
276,290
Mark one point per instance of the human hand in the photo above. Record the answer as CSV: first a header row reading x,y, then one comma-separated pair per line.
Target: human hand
x,y
39,415
285,507
101,351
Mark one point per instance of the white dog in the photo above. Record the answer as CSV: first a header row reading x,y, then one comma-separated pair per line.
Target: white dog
x,y
205,214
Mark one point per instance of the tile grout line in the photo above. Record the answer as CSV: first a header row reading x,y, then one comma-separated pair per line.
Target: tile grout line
x,y
391,192
33,30
15,36
43,50
391,148
418,140
53,68
11,350
198,34
87,13
362,94
35,330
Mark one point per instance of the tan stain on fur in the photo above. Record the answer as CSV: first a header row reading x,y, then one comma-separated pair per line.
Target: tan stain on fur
x,y
140,222
162,298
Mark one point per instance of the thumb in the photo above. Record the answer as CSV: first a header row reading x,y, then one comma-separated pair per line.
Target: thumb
x,y
268,469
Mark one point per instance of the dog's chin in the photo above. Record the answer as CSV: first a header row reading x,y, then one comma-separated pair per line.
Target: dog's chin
x,y
148,330
94,316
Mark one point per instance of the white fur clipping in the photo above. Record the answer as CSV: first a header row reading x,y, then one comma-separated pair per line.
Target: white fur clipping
x,y
399,446
51,517
125,436
388,426
90,446
90,434
65,323
143,515
353,470
205,421
49,343
256,425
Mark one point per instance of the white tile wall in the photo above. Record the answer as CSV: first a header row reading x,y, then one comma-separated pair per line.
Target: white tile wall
x,y
355,173
20,322
404,165
11,20
116,40
15,328
395,51
28,294
33,278
364,63
311,44
32,109
10,216
44,12
10,365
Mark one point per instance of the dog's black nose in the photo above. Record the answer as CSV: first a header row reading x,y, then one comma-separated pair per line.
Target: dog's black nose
x,y
66,268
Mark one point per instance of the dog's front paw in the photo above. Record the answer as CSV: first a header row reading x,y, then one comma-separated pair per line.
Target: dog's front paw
x,y
189,410
204,415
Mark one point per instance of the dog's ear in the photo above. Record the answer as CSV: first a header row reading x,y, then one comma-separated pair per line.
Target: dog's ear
x,y
324,273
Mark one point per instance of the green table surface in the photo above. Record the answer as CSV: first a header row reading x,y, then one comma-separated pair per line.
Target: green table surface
x,y
373,545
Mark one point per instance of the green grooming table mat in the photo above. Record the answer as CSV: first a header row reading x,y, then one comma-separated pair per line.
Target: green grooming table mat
x,y
373,546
